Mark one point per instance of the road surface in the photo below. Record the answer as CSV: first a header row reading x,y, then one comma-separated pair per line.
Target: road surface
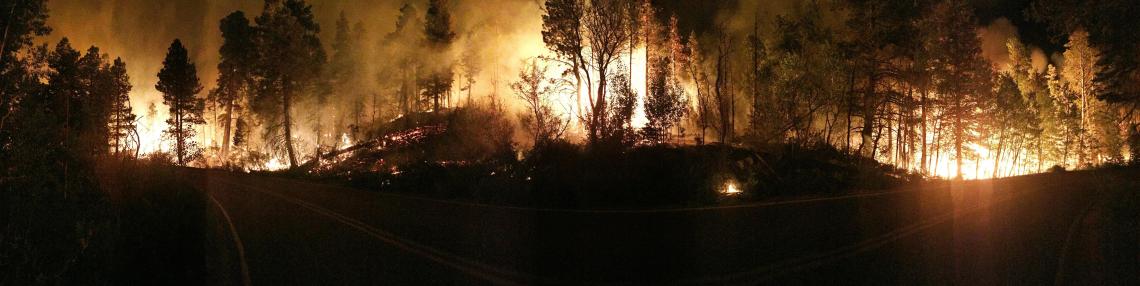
x,y
1010,231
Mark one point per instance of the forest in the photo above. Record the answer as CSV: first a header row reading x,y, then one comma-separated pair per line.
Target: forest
x,y
683,103
906,84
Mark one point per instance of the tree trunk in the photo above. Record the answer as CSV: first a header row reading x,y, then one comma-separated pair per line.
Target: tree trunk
x,y
997,154
138,142
179,138
288,120
958,133
227,131
923,161
599,108
868,117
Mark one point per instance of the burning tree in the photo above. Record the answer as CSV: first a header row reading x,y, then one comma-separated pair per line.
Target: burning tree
x,y
178,82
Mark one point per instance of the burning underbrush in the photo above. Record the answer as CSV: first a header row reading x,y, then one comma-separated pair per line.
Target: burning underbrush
x,y
468,155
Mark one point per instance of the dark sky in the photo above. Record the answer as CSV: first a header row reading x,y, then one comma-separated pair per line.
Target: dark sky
x,y
1030,31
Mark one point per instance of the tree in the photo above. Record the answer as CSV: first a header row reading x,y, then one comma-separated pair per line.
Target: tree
x,y
122,121
604,23
1110,26
885,36
22,22
1066,114
1044,128
403,45
179,85
665,101
235,71
93,111
961,73
536,91
704,100
645,19
562,32
345,73
1079,73
439,36
290,61
725,95
617,126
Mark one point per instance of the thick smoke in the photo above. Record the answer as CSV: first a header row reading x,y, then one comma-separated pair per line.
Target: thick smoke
x,y
994,37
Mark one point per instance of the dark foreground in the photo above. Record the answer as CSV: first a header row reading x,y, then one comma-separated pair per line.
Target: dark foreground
x,y
1011,231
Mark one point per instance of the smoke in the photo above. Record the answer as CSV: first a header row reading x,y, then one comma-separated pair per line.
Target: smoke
x,y
994,37
1039,60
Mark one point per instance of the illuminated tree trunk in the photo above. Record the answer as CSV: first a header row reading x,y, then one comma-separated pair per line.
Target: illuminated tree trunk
x,y
923,160
958,133
288,121
997,155
865,147
228,129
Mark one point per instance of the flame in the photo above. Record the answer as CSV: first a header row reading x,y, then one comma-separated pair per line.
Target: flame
x,y
344,140
730,189
274,164
978,166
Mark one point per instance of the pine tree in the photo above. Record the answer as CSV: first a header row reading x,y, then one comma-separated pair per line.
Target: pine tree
x,y
178,82
235,72
291,59
122,123
962,74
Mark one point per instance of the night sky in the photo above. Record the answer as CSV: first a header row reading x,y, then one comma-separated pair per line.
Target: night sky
x,y
1031,32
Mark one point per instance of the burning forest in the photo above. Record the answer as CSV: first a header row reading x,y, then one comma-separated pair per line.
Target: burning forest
x,y
567,105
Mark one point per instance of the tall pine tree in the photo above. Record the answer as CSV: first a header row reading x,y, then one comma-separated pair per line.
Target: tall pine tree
x,y
179,84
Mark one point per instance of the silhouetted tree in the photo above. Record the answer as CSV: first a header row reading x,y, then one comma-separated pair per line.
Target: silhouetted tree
x,y
622,103
536,90
604,24
22,22
235,71
122,121
884,33
562,31
345,74
962,74
437,31
664,102
178,82
291,59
